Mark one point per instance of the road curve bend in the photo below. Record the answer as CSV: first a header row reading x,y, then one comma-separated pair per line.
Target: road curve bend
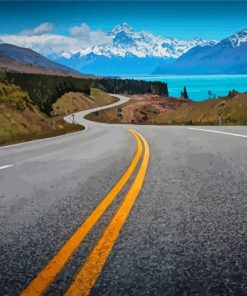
x,y
79,116
186,232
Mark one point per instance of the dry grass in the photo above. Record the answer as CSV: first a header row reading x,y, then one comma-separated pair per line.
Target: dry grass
x,y
74,102
140,109
22,121
20,126
148,109
233,111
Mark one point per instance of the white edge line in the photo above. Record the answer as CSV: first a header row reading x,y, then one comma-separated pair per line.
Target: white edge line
x,y
217,132
6,166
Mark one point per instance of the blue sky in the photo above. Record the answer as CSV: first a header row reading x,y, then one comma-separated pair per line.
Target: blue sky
x,y
183,20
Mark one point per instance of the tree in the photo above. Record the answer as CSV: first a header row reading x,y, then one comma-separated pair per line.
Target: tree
x,y
211,95
184,93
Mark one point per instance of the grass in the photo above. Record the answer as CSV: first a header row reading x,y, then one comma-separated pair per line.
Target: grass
x,y
232,110
21,120
20,126
74,102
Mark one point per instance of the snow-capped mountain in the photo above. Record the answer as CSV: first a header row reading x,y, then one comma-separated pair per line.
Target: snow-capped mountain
x,y
235,40
229,56
126,42
140,52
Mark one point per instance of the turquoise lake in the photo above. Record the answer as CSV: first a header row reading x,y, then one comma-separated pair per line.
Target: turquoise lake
x,y
199,86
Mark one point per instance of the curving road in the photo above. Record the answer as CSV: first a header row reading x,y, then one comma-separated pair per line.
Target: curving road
x,y
79,116
185,235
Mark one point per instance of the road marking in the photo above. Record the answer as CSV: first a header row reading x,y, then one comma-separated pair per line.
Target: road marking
x,y
43,280
218,132
90,271
6,166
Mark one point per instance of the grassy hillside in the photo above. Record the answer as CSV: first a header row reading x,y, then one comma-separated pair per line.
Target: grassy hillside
x,y
75,101
149,109
21,120
232,110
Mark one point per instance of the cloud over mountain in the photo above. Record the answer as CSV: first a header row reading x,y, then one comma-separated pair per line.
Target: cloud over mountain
x,y
89,37
120,51
39,30
43,40
121,40
124,51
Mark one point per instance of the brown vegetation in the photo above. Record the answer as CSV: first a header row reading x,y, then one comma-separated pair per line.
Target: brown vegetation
x,y
76,101
21,120
150,109
10,65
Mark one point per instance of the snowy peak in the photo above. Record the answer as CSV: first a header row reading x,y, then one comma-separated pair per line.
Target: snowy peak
x,y
126,42
225,57
124,27
235,40
138,52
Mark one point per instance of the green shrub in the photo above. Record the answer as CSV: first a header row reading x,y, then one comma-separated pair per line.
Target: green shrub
x,y
13,96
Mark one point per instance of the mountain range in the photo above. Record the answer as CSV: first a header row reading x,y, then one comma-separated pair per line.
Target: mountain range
x,y
128,52
229,56
135,53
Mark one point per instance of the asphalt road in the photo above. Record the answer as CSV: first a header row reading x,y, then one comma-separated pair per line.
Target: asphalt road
x,y
185,235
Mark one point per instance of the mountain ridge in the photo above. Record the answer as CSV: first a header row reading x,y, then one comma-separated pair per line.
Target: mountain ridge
x,y
25,60
127,49
229,56
126,41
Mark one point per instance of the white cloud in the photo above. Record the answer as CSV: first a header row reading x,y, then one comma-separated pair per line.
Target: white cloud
x,y
39,30
89,37
82,30
42,40
45,44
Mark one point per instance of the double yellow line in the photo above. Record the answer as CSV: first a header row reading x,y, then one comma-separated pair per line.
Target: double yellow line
x,y
91,269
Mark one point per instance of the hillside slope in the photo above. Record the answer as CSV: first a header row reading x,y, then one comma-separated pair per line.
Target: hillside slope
x,y
76,101
21,120
150,109
24,60
232,110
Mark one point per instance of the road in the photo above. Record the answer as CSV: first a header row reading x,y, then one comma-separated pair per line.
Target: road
x,y
175,224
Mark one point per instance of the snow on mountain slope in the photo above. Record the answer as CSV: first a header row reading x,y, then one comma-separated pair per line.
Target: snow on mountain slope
x,y
126,42
235,40
229,56
128,52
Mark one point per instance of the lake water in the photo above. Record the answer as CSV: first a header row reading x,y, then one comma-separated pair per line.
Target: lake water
x,y
199,86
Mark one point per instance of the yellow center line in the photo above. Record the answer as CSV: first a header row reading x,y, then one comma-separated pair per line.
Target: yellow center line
x,y
43,280
90,271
